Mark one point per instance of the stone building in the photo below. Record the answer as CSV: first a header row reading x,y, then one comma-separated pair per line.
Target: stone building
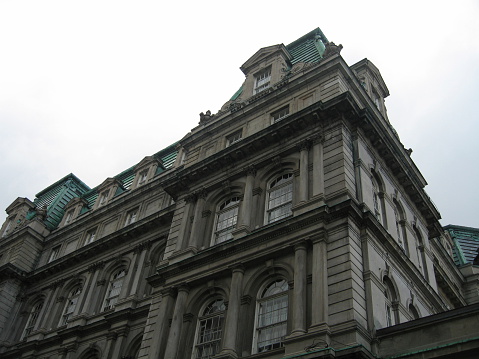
x,y
292,223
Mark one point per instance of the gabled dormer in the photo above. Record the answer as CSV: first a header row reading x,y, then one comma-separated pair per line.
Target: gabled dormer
x,y
371,80
73,210
265,68
17,214
106,191
146,170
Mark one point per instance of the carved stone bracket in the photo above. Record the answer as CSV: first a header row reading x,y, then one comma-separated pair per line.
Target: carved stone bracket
x,y
246,299
257,191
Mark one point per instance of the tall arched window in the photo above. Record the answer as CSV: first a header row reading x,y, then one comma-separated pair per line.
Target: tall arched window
x,y
280,198
376,199
114,289
70,305
226,219
401,227
271,317
33,318
210,330
390,297
422,252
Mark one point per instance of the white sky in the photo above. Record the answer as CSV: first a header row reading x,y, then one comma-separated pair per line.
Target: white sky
x,y
92,87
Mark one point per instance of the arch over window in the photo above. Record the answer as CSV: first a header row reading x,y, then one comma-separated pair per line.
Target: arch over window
x,y
210,330
226,218
414,312
33,318
70,305
271,317
114,289
401,226
279,198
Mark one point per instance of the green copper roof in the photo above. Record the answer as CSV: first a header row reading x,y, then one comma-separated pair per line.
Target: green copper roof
x,y
308,48
466,243
167,156
56,196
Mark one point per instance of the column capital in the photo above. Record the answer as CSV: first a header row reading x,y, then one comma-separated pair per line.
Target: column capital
x,y
237,267
250,170
201,193
303,245
304,145
190,198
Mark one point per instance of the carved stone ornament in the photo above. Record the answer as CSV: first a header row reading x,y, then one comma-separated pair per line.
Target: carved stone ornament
x,y
205,117
332,49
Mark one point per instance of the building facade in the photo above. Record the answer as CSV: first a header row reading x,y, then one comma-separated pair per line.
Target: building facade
x,y
291,223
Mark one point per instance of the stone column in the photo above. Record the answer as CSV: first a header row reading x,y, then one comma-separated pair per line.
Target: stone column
x,y
138,269
232,315
244,220
299,290
127,281
318,167
110,341
117,348
303,171
87,305
182,234
198,222
160,328
176,324
83,293
319,313
47,304
48,322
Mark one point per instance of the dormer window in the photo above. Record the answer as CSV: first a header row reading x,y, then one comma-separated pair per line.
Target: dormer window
x,y
104,197
143,176
69,216
263,80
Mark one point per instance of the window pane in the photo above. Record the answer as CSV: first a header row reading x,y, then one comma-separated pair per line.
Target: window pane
x,y
272,316
210,330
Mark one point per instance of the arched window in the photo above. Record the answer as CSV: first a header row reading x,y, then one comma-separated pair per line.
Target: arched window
x,y
422,252
280,198
376,200
70,305
33,318
390,299
114,289
400,227
271,317
226,219
210,330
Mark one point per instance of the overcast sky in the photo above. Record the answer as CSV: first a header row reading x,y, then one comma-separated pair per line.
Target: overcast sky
x,y
92,87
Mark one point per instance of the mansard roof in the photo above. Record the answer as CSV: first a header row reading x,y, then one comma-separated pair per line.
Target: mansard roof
x,y
309,47
466,243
